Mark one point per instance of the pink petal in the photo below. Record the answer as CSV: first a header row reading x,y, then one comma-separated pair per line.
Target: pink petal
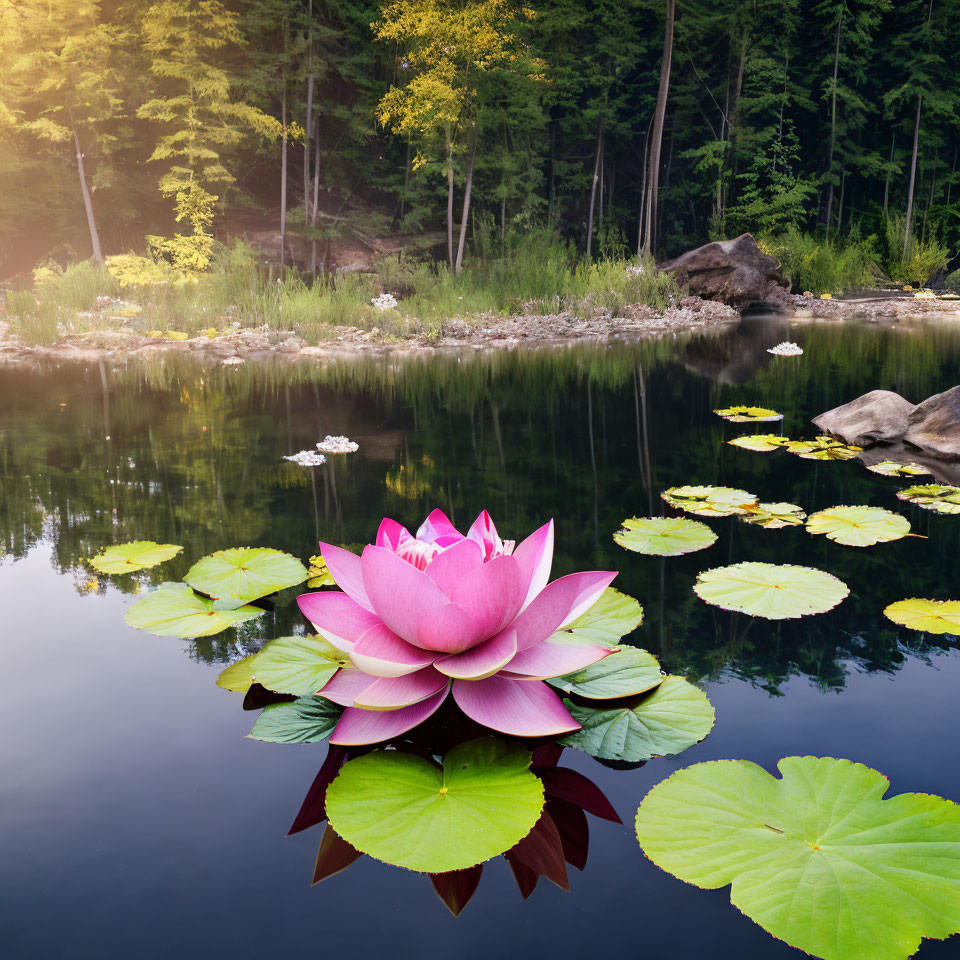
x,y
418,552
552,607
391,534
519,707
357,726
545,659
481,661
485,533
337,618
399,593
392,693
344,686
438,529
382,653
454,563
535,556
491,594
344,567
448,630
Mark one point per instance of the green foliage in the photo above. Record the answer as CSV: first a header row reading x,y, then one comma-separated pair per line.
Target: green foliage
x,y
307,720
821,265
916,261
245,573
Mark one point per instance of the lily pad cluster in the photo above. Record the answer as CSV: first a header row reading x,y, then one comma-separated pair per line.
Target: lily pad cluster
x,y
131,557
709,501
745,414
938,497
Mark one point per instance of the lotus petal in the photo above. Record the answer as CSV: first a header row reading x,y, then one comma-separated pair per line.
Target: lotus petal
x,y
382,653
357,726
518,707
344,686
490,594
448,630
339,619
391,534
437,528
392,693
484,532
451,565
483,660
552,659
535,556
344,567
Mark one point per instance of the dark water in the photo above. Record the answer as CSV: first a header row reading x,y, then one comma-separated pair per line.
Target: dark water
x,y
136,820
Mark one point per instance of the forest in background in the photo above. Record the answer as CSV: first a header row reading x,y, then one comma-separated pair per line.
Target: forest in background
x,y
640,125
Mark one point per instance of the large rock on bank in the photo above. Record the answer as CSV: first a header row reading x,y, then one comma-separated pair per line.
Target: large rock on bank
x,y
934,425
736,272
879,416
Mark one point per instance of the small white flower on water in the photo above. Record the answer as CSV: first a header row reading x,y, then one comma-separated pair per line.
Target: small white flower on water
x,y
337,445
785,349
307,458
386,301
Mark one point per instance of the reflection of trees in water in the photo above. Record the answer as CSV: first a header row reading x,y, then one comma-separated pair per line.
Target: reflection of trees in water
x,y
586,434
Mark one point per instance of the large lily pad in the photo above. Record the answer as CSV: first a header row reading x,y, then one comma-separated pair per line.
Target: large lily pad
x,y
667,720
130,557
625,673
709,501
664,536
770,590
742,414
818,858
297,665
612,617
760,442
306,720
928,616
891,468
410,812
938,497
238,677
774,516
859,526
823,448
174,610
245,573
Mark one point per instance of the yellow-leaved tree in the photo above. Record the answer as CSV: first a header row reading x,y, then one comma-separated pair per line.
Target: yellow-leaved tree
x,y
452,51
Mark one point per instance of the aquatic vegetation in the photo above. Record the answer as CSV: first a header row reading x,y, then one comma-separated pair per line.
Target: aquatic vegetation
x,y
130,557
928,616
309,719
238,677
627,672
709,501
858,526
891,468
774,516
666,720
760,442
338,445
296,665
245,573
421,617
816,857
307,458
664,536
317,574
610,619
938,497
786,349
744,414
175,610
823,448
770,590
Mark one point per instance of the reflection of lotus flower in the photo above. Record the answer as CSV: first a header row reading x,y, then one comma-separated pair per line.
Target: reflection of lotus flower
x,y
422,615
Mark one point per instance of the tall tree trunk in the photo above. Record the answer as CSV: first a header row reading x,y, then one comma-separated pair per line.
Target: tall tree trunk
x,y
87,202
643,186
649,241
449,201
833,119
283,177
843,181
306,151
315,207
913,178
593,192
468,188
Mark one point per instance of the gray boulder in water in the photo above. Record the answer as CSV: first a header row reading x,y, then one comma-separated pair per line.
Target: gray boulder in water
x,y
934,425
880,416
736,272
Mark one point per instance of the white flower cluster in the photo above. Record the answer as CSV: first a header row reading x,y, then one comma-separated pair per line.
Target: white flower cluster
x,y
386,301
307,458
337,445
785,349
635,271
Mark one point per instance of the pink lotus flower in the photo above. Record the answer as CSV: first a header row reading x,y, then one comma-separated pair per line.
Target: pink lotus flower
x,y
422,616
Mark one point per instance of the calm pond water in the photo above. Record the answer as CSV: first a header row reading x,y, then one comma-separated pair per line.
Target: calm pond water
x,y
137,820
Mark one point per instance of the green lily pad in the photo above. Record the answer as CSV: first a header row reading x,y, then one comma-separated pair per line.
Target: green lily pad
x,y
318,575
306,720
760,442
130,557
823,448
625,673
174,610
410,812
770,590
238,677
664,536
709,501
665,721
245,573
891,468
938,497
774,516
818,858
613,616
742,414
858,526
297,665
928,616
